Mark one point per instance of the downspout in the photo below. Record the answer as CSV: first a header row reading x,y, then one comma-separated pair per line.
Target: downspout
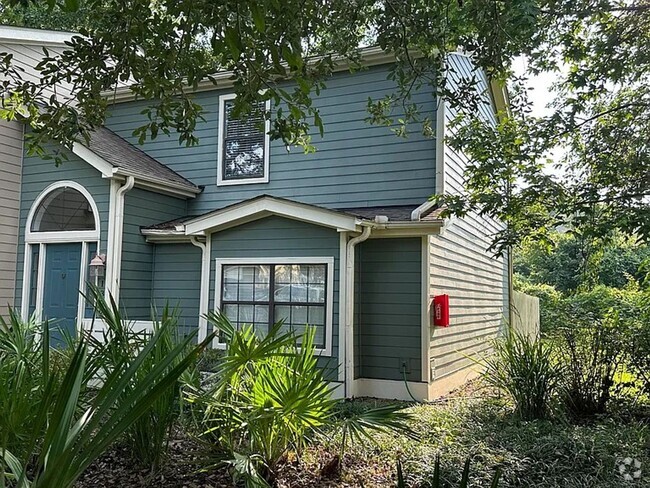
x,y
118,234
349,309
203,299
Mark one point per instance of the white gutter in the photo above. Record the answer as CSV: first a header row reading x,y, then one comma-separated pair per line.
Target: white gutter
x,y
115,256
205,285
349,309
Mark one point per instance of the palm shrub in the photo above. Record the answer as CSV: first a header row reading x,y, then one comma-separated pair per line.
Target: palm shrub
x,y
24,370
526,370
148,437
69,431
270,397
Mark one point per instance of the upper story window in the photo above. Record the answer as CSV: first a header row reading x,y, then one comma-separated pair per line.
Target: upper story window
x,y
243,146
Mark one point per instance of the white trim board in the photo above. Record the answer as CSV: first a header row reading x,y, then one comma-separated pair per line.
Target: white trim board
x,y
329,300
264,206
64,236
220,149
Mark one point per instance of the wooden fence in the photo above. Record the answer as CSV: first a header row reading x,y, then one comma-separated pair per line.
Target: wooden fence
x,y
525,314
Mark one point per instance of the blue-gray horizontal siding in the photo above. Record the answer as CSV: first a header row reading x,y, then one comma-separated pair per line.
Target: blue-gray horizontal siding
x,y
388,326
177,282
38,174
356,164
142,208
276,237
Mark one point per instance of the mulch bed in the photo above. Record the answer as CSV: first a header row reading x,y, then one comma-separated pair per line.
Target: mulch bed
x,y
180,470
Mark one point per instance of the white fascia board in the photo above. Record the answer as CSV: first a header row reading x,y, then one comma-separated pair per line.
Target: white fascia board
x,y
24,35
371,56
100,164
408,229
270,206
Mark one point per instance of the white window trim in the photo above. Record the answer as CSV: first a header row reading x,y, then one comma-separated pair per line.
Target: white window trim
x,y
63,236
222,124
329,299
42,238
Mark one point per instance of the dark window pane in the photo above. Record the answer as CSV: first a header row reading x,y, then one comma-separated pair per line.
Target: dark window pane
x,y
64,209
243,145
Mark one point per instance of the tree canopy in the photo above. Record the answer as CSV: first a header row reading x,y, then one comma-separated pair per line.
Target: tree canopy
x,y
597,48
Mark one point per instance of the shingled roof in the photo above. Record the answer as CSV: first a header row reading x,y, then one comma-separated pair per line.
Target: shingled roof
x,y
131,160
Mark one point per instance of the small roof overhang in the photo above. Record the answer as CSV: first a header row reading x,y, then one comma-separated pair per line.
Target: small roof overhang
x,y
391,221
266,205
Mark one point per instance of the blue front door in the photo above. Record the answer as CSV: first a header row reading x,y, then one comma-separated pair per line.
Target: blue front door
x,y
61,293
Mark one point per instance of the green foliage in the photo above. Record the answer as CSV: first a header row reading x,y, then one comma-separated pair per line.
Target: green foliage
x,y
593,352
147,438
435,479
270,396
527,371
24,370
572,261
74,420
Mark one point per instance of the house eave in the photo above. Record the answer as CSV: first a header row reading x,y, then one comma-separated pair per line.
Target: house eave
x,y
28,36
371,56
265,206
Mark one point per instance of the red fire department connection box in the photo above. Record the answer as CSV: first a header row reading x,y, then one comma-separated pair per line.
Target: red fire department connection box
x,y
441,310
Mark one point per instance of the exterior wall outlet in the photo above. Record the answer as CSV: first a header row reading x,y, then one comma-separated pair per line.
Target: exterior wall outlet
x,y
405,365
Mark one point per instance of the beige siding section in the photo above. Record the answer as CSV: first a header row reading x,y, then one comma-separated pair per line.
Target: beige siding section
x,y
11,136
27,57
462,267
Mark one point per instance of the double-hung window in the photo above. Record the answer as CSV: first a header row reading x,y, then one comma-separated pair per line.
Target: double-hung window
x,y
263,292
243,145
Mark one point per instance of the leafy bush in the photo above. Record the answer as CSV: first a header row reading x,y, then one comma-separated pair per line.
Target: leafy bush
x,y
76,423
270,396
593,354
147,438
527,371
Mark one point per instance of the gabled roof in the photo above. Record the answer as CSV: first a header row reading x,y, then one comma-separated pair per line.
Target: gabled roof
x,y
387,220
114,156
264,206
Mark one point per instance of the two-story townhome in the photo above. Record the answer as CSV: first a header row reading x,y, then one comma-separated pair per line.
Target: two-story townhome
x,y
344,239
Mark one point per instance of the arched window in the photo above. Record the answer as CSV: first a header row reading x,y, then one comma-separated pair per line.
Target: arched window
x,y
64,209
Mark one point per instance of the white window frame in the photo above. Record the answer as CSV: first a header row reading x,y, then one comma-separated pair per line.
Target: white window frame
x,y
41,239
222,126
329,299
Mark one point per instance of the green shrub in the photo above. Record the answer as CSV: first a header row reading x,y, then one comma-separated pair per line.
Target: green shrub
x,y
270,396
24,370
527,371
593,353
148,437
65,439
